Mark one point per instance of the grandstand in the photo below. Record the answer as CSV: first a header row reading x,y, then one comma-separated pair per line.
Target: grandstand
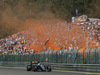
x,y
55,36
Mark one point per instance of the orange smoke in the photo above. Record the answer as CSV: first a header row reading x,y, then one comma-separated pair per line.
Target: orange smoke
x,y
60,36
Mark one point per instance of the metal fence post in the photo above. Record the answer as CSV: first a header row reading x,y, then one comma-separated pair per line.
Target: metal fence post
x,y
56,56
77,56
39,57
32,57
48,55
44,57
95,55
52,55
89,55
62,59
66,57
83,55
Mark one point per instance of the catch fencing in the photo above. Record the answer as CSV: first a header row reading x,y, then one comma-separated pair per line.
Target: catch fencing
x,y
80,56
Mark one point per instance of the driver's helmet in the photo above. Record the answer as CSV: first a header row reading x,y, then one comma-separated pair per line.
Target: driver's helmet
x,y
38,63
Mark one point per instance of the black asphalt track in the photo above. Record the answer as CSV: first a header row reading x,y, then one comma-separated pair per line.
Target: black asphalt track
x,y
22,71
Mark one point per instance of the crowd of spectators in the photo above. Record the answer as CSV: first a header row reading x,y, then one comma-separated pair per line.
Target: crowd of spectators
x,y
93,28
15,44
57,36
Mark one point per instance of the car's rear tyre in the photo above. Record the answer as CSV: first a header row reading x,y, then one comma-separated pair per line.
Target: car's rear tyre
x,y
34,68
48,69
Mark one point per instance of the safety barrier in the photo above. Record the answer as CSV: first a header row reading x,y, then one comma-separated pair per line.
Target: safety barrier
x,y
92,56
76,67
58,66
82,60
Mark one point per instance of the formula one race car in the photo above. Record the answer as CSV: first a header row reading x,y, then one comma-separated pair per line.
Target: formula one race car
x,y
36,66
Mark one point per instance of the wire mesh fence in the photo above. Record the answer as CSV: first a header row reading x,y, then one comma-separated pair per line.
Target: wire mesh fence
x,y
80,56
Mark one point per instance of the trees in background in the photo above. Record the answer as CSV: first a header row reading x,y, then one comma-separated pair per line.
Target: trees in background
x,y
20,10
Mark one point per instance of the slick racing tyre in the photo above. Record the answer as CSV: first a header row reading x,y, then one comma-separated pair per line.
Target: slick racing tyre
x,y
34,68
48,69
28,68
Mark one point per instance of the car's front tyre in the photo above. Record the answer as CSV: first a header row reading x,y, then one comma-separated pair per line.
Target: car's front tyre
x,y
48,69
28,68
